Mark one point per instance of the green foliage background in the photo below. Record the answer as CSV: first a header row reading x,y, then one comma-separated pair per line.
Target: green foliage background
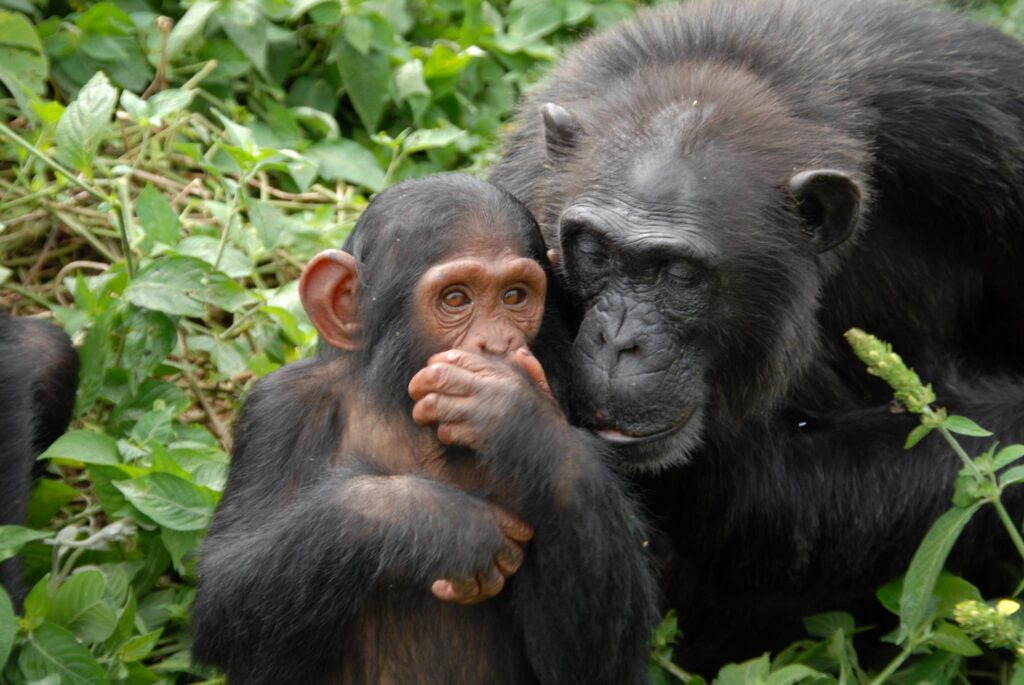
x,y
165,170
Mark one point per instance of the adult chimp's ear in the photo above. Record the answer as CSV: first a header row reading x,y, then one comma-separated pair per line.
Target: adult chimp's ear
x,y
829,202
561,130
328,289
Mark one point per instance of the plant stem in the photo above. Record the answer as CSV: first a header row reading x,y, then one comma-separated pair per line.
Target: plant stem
x,y
1011,527
36,152
121,216
667,664
968,462
894,665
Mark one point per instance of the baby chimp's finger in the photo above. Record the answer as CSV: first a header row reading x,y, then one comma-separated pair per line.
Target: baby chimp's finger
x,y
491,583
509,560
447,379
525,360
436,408
514,527
457,590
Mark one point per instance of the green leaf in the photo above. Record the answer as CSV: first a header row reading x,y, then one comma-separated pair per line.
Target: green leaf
x,y
824,625
917,435
268,221
84,447
190,26
13,538
170,501
180,544
180,285
251,39
233,261
409,80
1007,456
1011,476
925,567
49,495
149,337
964,426
170,101
429,139
139,647
366,79
950,638
52,650
346,160
158,219
358,32
789,675
753,672
80,606
84,123
23,67
8,626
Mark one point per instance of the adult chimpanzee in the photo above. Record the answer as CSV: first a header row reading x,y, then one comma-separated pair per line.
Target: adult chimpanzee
x,y
343,509
730,186
38,379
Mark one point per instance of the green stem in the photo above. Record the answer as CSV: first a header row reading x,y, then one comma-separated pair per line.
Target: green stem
x,y
121,216
895,663
968,462
36,152
1011,527
667,664
87,234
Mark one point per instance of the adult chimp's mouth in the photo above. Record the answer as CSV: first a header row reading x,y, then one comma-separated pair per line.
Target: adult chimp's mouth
x,y
618,437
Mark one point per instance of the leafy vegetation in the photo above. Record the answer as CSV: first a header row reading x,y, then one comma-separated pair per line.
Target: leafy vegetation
x,y
165,171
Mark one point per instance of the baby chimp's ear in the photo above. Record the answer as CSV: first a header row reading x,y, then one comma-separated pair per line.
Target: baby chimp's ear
x,y
328,291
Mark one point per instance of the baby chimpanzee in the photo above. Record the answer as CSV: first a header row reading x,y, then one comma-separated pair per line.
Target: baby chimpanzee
x,y
356,545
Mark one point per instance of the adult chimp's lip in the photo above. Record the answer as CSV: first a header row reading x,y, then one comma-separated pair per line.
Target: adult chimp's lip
x,y
617,437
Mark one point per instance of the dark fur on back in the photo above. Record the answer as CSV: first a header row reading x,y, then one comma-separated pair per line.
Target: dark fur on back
x,y
801,498
38,379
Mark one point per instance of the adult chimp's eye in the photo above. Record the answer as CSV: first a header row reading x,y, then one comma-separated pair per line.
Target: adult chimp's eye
x,y
683,272
455,298
514,296
590,253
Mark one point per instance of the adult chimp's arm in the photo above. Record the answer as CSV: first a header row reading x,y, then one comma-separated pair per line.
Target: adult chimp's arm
x,y
797,514
586,590
297,544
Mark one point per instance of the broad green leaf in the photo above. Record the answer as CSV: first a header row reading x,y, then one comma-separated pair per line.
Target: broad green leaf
x,y
170,101
346,160
23,66
170,501
190,26
964,426
792,674
950,638
158,219
925,567
1011,476
268,221
233,261
180,544
149,337
181,285
251,38
951,590
49,495
824,625
917,435
8,626
409,80
80,606
13,538
84,123
752,672
84,447
289,324
52,650
432,138
358,31
1007,456
139,647
366,79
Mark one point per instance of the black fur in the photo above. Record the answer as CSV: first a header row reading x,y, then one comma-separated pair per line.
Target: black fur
x,y
318,565
689,126
38,380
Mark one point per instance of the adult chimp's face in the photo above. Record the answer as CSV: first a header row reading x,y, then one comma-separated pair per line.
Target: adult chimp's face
x,y
695,264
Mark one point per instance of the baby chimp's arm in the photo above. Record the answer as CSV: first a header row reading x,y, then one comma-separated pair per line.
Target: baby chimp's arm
x,y
586,594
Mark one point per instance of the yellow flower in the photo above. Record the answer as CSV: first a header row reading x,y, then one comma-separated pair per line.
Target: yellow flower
x,y
1007,607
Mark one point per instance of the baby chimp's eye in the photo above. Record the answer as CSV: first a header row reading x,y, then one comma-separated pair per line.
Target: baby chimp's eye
x,y
455,299
514,296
